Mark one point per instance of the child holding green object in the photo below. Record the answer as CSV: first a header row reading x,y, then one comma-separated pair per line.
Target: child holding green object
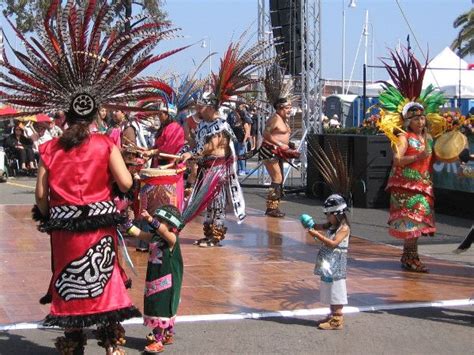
x,y
164,274
331,262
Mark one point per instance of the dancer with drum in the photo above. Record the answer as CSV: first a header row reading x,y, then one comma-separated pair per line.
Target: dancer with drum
x,y
410,120
169,140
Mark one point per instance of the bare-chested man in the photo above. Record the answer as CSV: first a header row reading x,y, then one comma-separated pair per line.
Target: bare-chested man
x,y
276,141
215,149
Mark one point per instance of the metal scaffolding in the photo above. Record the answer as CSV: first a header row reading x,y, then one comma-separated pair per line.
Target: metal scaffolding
x,y
310,88
308,82
264,34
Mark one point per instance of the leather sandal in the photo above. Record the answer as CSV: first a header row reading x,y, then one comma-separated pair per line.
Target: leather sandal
x,y
207,243
274,213
168,339
199,241
154,348
413,265
324,320
335,323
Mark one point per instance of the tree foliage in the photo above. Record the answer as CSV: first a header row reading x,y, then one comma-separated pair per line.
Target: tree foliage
x,y
464,43
27,13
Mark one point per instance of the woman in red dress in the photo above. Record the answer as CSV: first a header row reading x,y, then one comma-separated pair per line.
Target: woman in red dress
x,y
411,188
410,119
74,188
77,73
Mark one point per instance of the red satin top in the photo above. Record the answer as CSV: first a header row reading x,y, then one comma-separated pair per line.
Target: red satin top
x,y
417,175
85,168
170,141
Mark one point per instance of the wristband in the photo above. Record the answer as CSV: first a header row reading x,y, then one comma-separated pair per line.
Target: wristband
x,y
155,224
127,225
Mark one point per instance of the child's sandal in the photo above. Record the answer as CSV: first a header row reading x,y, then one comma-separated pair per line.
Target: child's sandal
x,y
168,339
154,348
150,338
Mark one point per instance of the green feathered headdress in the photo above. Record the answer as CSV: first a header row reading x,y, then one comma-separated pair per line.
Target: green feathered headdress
x,y
407,76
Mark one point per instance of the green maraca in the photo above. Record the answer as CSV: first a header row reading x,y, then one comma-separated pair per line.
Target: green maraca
x,y
307,221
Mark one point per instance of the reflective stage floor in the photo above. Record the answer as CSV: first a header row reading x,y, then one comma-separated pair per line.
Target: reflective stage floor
x,y
265,265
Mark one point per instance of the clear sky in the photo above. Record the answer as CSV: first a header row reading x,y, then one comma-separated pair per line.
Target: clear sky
x,y
221,20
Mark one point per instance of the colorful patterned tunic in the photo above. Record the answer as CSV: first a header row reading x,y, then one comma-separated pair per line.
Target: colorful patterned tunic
x,y
411,189
164,277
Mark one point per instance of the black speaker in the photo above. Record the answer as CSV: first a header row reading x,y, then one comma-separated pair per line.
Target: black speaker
x,y
315,182
285,17
371,161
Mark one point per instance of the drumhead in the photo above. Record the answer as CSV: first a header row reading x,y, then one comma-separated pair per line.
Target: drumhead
x,y
155,172
449,145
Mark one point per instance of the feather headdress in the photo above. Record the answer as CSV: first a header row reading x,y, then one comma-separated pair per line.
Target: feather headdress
x,y
174,98
73,64
407,95
279,90
162,98
234,78
335,169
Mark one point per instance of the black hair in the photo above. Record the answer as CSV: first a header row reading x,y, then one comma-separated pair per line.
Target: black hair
x,y
282,101
74,135
342,217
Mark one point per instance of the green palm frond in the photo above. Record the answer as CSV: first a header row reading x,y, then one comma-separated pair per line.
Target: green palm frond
x,y
464,41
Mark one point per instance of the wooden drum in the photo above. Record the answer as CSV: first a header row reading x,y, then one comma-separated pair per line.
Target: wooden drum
x,y
159,187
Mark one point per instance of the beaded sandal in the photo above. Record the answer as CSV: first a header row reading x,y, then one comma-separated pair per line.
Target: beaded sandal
x,y
413,265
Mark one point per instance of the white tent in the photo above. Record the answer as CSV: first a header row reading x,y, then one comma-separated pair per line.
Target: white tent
x,y
444,73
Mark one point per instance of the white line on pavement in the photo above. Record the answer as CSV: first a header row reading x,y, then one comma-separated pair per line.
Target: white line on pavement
x,y
295,313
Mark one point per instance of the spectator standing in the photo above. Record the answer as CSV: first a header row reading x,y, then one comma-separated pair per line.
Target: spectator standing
x,y
334,122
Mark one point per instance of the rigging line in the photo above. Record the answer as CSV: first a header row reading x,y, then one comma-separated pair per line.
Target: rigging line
x,y
411,30
416,39
355,61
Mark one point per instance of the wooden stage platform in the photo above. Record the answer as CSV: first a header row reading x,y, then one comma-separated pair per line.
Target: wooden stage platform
x,y
265,265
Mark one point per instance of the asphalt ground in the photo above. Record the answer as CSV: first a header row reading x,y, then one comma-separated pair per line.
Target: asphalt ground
x,y
413,331
431,329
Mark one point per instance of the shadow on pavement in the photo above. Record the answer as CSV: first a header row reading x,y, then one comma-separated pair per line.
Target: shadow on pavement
x,y
18,344
454,316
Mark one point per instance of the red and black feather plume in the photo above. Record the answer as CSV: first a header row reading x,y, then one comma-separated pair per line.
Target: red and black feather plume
x,y
74,53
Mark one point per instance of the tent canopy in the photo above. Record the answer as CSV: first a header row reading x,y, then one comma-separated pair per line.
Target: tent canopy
x,y
446,70
444,74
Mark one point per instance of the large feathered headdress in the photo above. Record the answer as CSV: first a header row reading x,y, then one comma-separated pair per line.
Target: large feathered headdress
x,y
188,88
73,64
234,78
405,98
161,98
173,98
278,88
